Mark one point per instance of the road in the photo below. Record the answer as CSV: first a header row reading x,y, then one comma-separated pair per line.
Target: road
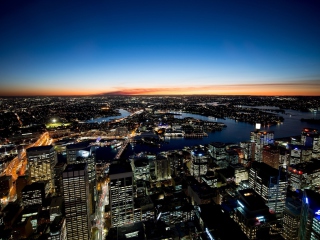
x,y
17,166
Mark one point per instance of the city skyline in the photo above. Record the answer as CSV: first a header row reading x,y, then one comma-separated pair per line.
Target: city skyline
x,y
159,48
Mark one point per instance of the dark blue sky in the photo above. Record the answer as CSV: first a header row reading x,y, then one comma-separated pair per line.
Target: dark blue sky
x,y
156,47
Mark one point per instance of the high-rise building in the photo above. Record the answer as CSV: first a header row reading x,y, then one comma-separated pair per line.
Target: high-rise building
x,y
76,193
34,194
270,156
121,194
58,170
162,168
41,162
311,138
198,165
252,215
291,219
270,184
261,138
310,216
218,150
304,175
82,153
299,153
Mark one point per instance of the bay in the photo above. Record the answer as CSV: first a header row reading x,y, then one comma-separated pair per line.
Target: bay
x,y
235,132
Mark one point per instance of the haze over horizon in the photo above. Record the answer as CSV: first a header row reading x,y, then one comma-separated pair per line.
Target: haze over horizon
x,y
159,48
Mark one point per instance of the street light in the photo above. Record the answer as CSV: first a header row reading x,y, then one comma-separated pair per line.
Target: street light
x,y
54,120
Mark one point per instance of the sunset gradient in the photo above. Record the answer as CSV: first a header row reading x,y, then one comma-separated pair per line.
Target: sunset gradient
x,y
59,48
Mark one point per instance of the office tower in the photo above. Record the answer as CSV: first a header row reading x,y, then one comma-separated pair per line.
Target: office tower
x,y
41,162
232,156
56,207
82,153
215,224
252,215
291,219
310,138
34,194
58,170
247,150
260,139
176,162
218,150
270,184
304,175
76,193
140,168
121,194
271,156
198,165
299,154
162,168
284,157
310,216
58,229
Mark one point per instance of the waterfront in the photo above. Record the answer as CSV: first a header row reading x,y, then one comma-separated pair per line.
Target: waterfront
x,y
235,132
123,114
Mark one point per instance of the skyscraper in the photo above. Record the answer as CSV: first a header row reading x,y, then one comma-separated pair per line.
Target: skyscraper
x,y
41,162
310,216
82,153
270,184
162,168
121,194
76,193
260,139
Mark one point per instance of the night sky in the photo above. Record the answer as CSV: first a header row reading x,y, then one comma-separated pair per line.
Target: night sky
x,y
159,47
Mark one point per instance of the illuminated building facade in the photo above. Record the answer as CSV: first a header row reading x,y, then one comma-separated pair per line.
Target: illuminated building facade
x,y
141,168
261,139
121,194
291,219
304,175
271,156
162,168
252,215
299,154
218,150
34,194
82,153
41,162
198,165
310,138
76,193
247,151
310,216
58,170
270,184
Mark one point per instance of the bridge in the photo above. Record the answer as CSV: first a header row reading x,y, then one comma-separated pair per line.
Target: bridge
x,y
123,147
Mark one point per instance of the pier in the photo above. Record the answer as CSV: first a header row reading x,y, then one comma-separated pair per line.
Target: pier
x,y
196,135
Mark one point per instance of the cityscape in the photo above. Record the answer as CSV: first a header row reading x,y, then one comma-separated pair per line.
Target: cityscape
x,y
149,120
157,167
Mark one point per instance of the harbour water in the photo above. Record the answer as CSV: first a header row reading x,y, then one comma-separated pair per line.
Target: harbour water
x,y
235,132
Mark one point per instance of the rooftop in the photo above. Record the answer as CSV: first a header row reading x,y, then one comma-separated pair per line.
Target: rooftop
x,y
120,168
40,149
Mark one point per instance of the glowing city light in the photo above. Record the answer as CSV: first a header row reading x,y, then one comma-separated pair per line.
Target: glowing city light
x,y
240,203
209,234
